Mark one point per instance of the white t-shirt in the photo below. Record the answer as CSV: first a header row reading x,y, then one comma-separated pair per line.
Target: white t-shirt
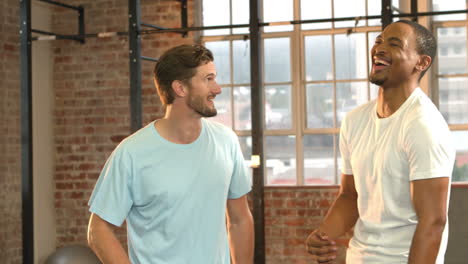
x,y
385,155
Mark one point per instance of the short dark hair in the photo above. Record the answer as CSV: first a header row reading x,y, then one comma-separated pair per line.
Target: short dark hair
x,y
178,63
426,43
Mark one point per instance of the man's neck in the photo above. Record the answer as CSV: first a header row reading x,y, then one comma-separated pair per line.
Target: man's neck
x,y
177,126
389,100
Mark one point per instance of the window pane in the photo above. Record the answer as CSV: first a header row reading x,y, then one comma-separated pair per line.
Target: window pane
x,y
374,91
278,107
215,13
223,105
319,161
241,61
280,154
460,171
277,60
246,146
350,56
242,110
240,15
371,41
220,51
374,8
346,8
318,58
453,98
319,105
278,11
444,5
310,11
348,97
452,50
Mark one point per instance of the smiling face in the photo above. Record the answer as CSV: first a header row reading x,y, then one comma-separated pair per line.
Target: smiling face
x,y
395,58
202,90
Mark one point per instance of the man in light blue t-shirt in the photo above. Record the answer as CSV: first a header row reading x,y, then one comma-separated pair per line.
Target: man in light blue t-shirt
x,y
176,180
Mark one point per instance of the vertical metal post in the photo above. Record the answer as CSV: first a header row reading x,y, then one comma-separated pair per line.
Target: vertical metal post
x,y
386,13
27,214
81,24
414,10
184,16
256,77
134,46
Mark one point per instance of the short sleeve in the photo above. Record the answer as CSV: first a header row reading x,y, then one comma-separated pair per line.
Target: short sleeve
x,y
344,149
112,198
429,149
241,180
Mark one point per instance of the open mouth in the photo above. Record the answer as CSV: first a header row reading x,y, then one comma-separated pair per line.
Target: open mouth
x,y
380,64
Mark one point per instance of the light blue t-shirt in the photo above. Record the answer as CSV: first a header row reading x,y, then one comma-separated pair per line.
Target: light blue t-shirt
x,y
173,196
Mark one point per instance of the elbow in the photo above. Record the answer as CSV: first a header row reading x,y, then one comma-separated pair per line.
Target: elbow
x,y
434,225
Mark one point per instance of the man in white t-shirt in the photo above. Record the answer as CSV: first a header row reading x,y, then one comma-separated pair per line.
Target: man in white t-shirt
x,y
397,159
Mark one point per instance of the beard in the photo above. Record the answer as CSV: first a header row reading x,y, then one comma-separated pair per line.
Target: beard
x,y
377,80
197,103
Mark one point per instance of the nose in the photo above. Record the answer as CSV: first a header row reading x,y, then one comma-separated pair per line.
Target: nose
x,y
217,89
378,49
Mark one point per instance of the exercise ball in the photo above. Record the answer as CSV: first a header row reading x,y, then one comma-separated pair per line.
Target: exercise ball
x,y
76,254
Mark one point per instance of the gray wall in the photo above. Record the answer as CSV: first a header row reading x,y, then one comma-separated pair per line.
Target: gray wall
x,y
457,251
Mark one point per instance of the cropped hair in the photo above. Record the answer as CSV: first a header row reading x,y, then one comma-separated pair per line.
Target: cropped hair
x,y
426,43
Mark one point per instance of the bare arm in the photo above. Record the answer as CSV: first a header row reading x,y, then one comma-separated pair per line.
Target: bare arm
x,y
343,214
430,203
341,217
104,243
240,226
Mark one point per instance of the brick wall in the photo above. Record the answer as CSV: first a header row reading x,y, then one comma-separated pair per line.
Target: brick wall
x,y
10,174
92,114
291,213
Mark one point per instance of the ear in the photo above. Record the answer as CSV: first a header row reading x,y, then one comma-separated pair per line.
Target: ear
x,y
423,63
180,89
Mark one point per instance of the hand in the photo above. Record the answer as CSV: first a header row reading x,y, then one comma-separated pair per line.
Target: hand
x,y
322,249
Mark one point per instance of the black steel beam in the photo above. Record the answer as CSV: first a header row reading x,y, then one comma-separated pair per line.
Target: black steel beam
x,y
27,213
77,8
184,16
134,46
57,36
81,25
149,59
257,104
436,13
414,10
152,26
387,16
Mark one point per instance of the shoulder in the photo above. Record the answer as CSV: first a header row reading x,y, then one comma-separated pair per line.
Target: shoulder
x,y
361,111
358,116
424,114
137,140
218,128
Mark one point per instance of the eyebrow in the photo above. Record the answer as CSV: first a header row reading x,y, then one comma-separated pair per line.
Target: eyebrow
x,y
395,39
210,74
390,39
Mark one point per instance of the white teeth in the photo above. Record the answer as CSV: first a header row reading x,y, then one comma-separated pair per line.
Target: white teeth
x,y
378,61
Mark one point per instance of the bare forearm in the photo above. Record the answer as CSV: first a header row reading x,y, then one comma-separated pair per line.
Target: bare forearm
x,y
241,241
341,217
426,243
105,244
